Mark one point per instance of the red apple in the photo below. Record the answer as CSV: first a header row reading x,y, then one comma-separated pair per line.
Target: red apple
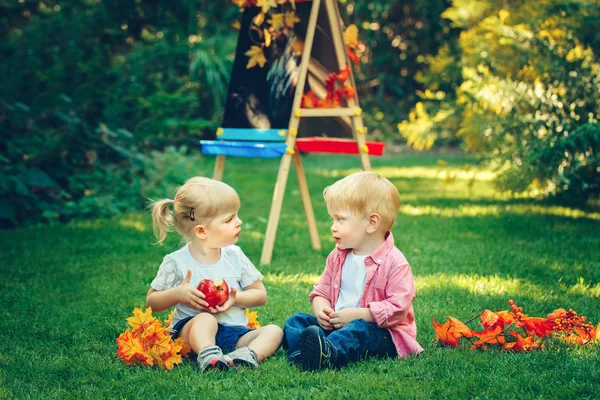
x,y
216,292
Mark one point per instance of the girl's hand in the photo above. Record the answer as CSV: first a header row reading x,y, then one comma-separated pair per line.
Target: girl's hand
x,y
229,303
324,318
190,295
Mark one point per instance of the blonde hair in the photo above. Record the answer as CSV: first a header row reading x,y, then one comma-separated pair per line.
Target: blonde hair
x,y
198,201
364,193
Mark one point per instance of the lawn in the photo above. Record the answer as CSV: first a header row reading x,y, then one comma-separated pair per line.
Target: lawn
x,y
66,291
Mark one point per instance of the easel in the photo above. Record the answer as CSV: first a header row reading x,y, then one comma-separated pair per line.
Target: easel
x,y
326,12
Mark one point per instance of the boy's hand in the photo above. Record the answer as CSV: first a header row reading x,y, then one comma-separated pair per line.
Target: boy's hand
x,y
339,319
323,318
190,295
228,304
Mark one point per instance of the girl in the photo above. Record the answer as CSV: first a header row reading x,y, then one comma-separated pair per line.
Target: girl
x,y
205,214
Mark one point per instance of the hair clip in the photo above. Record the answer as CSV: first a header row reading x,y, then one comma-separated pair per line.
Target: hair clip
x,y
192,216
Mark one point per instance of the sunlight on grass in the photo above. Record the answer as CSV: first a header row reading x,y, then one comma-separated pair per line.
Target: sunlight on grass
x,y
583,289
497,210
132,223
495,285
438,173
283,279
477,284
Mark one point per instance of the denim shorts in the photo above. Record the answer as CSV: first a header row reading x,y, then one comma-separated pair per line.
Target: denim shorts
x,y
226,338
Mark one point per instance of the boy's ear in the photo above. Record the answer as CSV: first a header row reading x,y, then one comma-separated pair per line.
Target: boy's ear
x,y
374,222
200,231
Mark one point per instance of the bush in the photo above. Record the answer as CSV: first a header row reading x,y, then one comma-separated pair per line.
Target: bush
x,y
527,97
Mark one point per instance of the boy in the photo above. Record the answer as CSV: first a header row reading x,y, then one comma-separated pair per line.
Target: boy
x,y
362,304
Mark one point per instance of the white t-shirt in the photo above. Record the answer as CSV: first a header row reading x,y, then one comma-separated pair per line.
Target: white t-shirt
x,y
354,274
233,266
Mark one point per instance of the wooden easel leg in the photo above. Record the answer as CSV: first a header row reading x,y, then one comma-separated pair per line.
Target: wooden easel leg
x,y
219,167
276,203
306,202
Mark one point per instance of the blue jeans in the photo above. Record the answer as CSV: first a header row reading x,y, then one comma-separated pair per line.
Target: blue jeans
x,y
358,339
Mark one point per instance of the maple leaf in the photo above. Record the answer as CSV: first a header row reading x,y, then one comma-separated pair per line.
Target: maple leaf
x,y
276,20
141,320
347,91
185,347
460,328
556,313
170,318
266,5
488,318
267,37
291,19
252,319
258,19
538,326
522,344
352,55
310,100
451,331
343,75
586,334
489,336
239,3
255,56
131,350
351,36
444,334
504,318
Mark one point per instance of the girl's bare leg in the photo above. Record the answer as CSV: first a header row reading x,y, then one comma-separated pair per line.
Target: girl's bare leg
x,y
264,341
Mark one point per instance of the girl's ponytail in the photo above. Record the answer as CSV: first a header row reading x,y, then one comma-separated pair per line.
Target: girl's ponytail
x,y
162,219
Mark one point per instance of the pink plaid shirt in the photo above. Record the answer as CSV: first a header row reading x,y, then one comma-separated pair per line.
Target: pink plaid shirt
x,y
389,292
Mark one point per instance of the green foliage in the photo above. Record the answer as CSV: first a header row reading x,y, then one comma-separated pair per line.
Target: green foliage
x,y
396,35
526,96
89,88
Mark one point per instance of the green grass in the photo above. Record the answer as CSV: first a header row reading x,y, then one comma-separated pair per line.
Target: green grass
x,y
66,291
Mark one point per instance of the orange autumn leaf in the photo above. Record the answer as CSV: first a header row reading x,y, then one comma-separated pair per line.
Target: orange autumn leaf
x,y
276,21
252,319
256,56
347,91
451,331
505,318
556,313
597,335
148,342
460,328
540,327
522,344
169,318
141,320
488,318
291,19
351,36
352,55
444,333
489,336
343,75
185,347
310,100
585,334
